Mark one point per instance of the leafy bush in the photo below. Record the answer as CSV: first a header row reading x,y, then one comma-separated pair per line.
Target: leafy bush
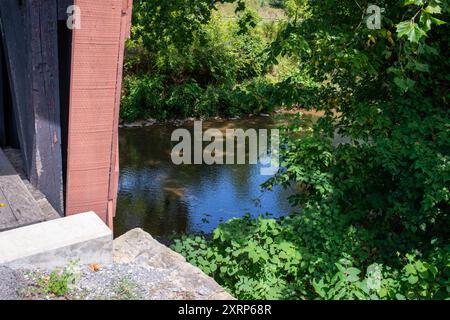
x,y
417,279
372,174
181,98
252,258
149,97
202,74
144,97
304,257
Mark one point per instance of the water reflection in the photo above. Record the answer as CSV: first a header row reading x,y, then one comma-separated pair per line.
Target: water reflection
x,y
165,199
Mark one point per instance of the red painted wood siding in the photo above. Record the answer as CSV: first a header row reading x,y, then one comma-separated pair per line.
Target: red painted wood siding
x,y
96,79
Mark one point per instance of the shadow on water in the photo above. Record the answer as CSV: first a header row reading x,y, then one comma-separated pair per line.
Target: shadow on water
x,y
166,200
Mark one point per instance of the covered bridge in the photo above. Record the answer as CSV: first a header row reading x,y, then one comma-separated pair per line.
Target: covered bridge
x,y
60,91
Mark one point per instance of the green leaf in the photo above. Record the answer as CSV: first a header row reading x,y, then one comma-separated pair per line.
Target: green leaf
x,y
410,2
353,271
319,287
360,295
425,21
399,296
437,21
433,9
410,269
403,28
352,278
404,83
422,67
410,29
412,279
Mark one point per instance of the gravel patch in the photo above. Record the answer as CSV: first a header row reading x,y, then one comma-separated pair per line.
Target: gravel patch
x,y
120,282
143,269
10,283
129,281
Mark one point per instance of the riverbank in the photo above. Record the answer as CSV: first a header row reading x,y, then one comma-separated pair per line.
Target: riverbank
x,y
143,269
181,122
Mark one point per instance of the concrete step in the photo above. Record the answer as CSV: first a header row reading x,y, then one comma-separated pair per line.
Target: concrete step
x,y
54,244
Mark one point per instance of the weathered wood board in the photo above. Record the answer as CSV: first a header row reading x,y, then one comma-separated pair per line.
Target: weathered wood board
x,y
46,167
17,205
7,217
13,29
2,101
30,36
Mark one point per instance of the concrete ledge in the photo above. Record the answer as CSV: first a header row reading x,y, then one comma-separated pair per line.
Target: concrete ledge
x,y
56,243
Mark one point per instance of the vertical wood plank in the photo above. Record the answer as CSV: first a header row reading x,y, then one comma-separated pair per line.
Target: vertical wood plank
x,y
13,28
29,31
2,100
46,168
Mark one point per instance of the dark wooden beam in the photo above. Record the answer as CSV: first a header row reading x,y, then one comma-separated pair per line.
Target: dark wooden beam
x,y
13,28
62,8
46,169
30,35
2,101
65,62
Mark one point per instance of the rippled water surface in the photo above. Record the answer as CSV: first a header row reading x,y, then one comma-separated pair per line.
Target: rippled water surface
x,y
166,200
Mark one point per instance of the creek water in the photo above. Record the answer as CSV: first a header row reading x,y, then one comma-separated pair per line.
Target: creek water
x,y
169,200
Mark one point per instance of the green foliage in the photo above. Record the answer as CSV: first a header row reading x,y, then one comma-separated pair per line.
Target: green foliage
x,y
417,279
59,282
294,258
148,97
247,256
372,175
158,25
144,97
194,62
387,98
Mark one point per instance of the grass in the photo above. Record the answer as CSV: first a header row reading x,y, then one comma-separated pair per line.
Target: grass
x,y
126,289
